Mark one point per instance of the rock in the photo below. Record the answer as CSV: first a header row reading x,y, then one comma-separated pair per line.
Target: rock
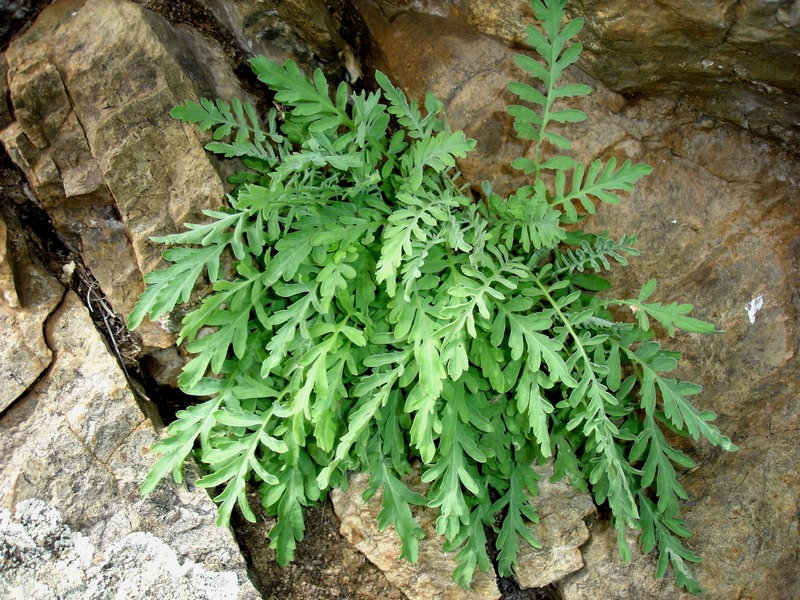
x,y
43,556
8,286
300,30
14,14
73,452
561,531
28,299
730,58
431,578
91,85
472,87
609,577
717,229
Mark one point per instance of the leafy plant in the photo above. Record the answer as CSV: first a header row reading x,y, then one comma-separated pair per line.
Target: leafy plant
x,y
379,318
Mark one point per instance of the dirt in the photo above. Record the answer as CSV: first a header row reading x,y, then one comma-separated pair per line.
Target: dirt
x,y
325,567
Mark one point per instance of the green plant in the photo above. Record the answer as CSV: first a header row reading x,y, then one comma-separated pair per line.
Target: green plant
x,y
377,316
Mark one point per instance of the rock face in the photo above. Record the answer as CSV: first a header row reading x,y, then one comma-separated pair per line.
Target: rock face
x,y
733,59
432,576
45,557
91,85
73,452
282,29
561,530
717,226
27,300
736,58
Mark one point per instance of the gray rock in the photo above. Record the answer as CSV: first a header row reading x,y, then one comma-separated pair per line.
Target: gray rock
x,y
43,558
73,452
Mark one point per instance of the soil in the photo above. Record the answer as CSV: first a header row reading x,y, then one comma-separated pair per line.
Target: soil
x,y
325,567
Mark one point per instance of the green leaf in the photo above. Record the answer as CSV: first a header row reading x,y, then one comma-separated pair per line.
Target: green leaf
x,y
518,509
471,540
396,510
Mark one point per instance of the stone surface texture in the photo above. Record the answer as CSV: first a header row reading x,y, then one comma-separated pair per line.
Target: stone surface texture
x,y
561,530
73,452
431,578
301,30
717,224
29,294
91,85
733,59
84,101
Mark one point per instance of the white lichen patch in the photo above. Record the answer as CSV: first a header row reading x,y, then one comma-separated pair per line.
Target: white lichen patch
x,y
43,558
752,308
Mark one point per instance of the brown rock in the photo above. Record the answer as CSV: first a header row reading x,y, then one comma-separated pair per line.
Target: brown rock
x,y
717,227
561,531
7,284
733,59
29,296
91,85
300,30
431,578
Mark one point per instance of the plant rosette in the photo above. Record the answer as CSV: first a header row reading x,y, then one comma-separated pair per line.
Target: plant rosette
x,y
379,313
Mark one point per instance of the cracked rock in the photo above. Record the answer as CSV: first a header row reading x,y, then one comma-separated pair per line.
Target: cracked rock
x,y
27,300
74,448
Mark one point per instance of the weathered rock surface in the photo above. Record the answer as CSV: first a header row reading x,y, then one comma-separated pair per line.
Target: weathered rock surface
x,y
301,30
734,59
432,577
73,452
718,228
14,14
27,300
91,85
561,530
44,558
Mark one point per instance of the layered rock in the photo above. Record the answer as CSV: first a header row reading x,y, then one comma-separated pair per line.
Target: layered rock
x,y
734,59
91,85
29,295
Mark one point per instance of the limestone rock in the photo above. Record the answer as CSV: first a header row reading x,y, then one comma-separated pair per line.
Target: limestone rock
x,y
431,578
91,85
45,558
561,531
27,300
717,228
75,449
